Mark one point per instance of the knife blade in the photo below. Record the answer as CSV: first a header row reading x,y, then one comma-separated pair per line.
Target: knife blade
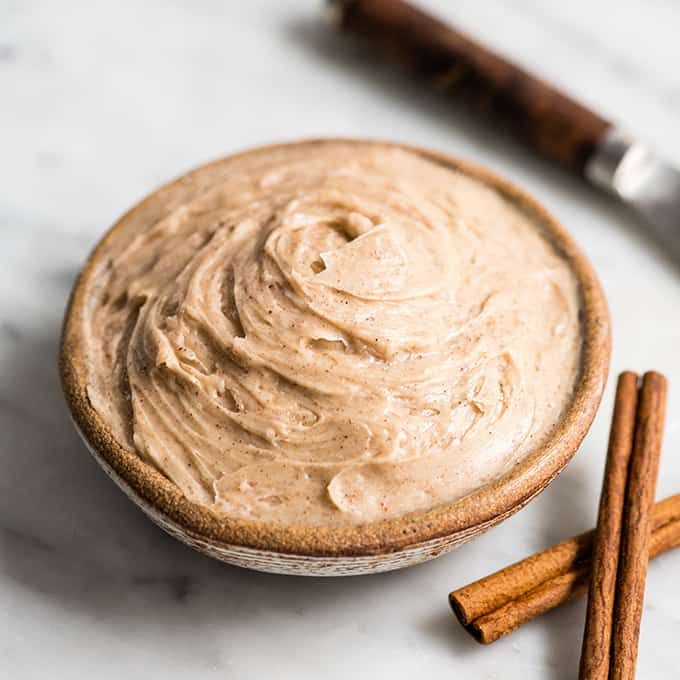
x,y
640,177
550,121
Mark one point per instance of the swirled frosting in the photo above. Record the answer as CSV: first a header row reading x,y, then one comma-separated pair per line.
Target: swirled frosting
x,y
331,333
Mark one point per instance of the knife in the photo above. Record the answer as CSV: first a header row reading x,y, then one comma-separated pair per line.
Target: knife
x,y
549,121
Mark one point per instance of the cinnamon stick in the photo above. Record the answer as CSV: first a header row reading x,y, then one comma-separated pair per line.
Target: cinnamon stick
x,y
527,606
504,588
637,523
595,653
569,579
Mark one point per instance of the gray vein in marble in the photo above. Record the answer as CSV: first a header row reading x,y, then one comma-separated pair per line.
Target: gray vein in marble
x,y
13,410
48,160
7,53
66,561
9,331
25,540
180,587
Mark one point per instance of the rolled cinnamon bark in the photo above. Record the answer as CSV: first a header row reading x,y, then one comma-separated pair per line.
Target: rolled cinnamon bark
x,y
637,522
503,589
531,600
595,652
497,604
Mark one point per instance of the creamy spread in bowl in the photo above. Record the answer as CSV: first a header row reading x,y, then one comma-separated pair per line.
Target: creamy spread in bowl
x,y
332,334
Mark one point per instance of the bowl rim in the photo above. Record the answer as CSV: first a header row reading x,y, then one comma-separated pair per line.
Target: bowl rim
x,y
470,514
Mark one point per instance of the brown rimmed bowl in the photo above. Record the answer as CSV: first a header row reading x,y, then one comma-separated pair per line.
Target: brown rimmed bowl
x,y
355,549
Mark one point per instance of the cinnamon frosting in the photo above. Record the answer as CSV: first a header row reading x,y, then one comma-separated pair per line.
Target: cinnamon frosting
x,y
331,333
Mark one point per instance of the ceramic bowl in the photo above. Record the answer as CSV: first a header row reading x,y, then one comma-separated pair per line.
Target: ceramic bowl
x,y
372,547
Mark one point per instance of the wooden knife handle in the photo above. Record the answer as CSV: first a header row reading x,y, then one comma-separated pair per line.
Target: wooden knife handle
x,y
548,120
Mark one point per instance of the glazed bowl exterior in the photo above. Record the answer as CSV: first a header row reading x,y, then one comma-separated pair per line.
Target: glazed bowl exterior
x,y
353,549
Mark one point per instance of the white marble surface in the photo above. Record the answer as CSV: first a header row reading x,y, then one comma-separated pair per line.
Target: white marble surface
x,y
99,103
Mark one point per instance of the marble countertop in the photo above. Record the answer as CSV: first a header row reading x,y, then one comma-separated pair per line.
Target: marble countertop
x,y
100,103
